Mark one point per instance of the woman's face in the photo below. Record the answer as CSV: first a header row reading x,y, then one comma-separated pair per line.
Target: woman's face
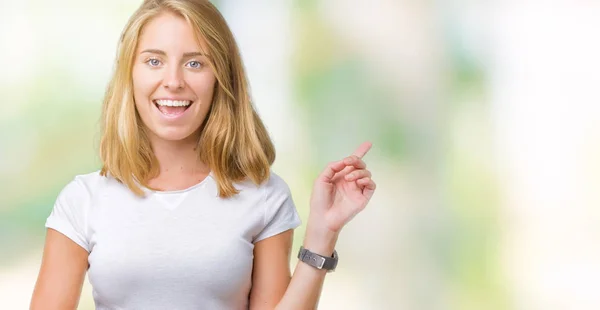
x,y
172,81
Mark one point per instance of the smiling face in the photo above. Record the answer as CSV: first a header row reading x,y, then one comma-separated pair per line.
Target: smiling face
x,y
172,81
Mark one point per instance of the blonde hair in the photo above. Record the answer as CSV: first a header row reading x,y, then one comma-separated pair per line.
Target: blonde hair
x,y
233,142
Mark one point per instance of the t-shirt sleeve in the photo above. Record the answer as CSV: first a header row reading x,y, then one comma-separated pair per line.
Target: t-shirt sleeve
x,y
280,210
69,216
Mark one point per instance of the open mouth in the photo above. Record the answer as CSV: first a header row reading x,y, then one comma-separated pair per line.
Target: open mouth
x,y
172,108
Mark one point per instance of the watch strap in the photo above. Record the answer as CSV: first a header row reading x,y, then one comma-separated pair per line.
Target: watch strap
x,y
318,261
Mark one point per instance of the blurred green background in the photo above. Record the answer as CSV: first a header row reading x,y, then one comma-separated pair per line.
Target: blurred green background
x,y
483,115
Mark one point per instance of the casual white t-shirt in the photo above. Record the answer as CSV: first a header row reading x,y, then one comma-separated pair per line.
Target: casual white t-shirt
x,y
186,249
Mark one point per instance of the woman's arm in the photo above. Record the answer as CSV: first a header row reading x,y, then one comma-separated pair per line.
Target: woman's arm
x,y
271,270
271,287
59,283
341,191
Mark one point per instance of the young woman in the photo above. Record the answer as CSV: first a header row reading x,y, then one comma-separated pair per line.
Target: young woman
x,y
185,212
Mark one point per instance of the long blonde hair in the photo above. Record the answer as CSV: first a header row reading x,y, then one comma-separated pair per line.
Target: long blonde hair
x,y
233,142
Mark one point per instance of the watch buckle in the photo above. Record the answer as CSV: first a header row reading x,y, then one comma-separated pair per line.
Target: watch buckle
x,y
319,261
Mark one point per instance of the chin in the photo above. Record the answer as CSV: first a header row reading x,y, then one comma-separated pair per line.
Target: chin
x,y
173,134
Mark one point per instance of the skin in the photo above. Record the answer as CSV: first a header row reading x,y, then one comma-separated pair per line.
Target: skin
x,y
163,70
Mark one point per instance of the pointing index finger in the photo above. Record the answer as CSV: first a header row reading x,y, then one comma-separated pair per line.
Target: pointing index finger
x,y
362,149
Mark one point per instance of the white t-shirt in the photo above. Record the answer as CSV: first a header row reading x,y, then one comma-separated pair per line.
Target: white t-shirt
x,y
186,249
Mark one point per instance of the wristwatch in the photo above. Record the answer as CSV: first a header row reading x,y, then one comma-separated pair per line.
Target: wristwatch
x,y
318,261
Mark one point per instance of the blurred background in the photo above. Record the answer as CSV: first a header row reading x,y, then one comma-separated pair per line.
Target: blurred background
x,y
485,119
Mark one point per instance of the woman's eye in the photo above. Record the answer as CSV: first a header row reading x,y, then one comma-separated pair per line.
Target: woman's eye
x,y
194,64
153,62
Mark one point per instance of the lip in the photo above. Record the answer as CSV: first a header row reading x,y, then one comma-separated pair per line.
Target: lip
x,y
171,117
173,98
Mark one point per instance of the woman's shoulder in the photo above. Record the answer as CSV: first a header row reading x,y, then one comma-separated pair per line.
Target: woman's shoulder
x,y
84,185
276,186
272,182
276,182
93,179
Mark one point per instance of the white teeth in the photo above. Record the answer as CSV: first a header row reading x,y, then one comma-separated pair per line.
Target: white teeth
x,y
173,103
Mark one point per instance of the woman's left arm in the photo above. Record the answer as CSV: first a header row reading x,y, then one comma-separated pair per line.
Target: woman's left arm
x,y
271,270
340,192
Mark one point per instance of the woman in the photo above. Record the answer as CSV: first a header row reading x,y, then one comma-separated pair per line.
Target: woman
x,y
185,212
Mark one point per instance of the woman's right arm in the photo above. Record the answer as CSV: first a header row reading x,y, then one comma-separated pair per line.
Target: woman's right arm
x,y
59,283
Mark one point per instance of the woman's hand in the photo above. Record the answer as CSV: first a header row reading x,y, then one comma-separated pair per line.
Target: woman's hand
x,y
340,192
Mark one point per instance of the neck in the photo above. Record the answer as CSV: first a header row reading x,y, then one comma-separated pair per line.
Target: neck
x,y
178,158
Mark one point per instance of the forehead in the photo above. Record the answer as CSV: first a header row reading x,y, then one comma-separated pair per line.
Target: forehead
x,y
169,31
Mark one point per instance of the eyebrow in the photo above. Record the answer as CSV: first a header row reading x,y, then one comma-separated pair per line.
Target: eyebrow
x,y
159,52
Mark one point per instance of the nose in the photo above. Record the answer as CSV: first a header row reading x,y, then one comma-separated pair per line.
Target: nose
x,y
173,78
